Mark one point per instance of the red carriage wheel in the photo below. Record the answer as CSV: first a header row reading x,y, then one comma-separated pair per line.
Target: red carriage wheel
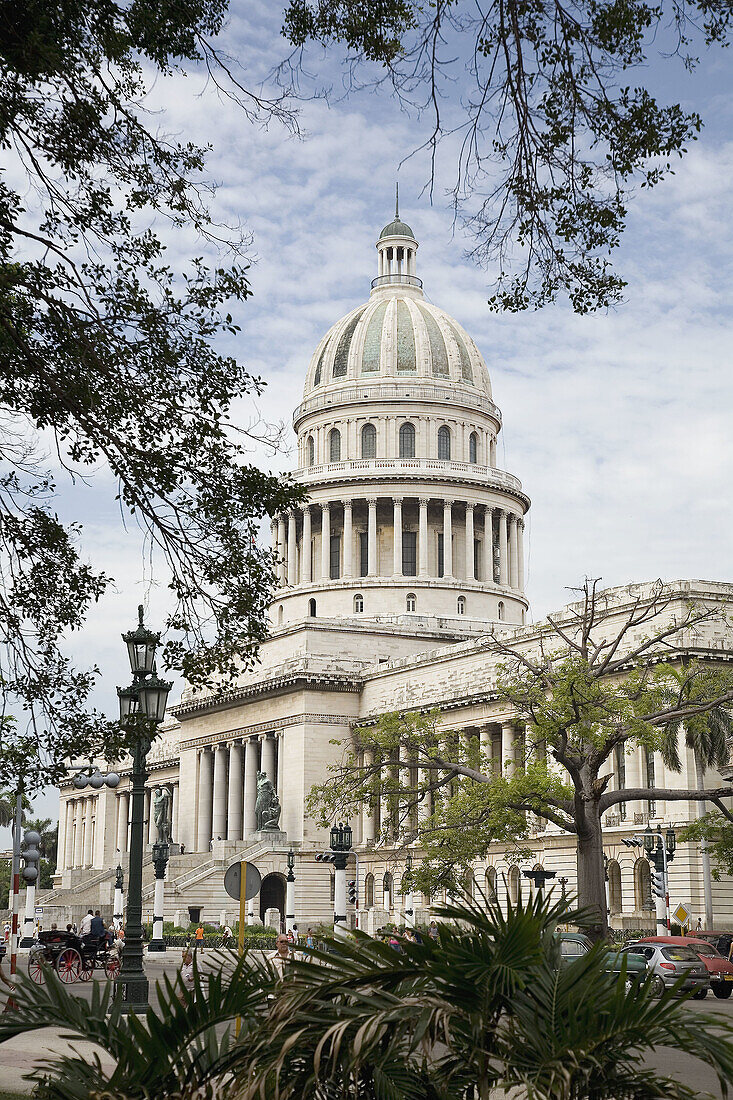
x,y
68,965
37,967
112,967
87,969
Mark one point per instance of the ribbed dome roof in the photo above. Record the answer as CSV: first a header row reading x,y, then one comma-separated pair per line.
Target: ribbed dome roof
x,y
397,337
397,228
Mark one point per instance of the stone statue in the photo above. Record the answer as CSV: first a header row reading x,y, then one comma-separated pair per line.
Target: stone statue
x,y
161,802
267,806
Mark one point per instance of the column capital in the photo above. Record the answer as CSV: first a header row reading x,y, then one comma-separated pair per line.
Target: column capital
x,y
326,506
520,522
424,501
397,500
348,503
447,503
372,501
305,508
470,505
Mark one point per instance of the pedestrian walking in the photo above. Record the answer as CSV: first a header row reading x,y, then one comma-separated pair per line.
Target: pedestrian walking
x,y
295,935
433,930
200,938
188,977
309,940
281,955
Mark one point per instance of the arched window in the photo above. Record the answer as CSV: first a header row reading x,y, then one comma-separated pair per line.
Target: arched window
x,y
501,610
444,443
642,885
280,615
334,445
461,605
473,448
369,892
310,451
312,608
614,887
411,601
514,885
490,888
368,441
468,883
358,603
407,441
387,890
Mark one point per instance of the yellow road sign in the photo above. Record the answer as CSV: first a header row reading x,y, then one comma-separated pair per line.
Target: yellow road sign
x,y
682,914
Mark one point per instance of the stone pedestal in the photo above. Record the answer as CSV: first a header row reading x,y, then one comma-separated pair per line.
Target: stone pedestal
x,y
269,836
272,919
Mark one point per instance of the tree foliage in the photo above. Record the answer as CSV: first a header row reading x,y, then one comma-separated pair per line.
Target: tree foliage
x,y
489,1005
554,110
591,685
108,357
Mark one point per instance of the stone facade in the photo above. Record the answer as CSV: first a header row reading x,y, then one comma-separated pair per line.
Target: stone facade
x,y
406,559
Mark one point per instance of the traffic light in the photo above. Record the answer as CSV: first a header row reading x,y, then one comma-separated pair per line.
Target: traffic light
x,y
324,857
658,885
31,855
351,891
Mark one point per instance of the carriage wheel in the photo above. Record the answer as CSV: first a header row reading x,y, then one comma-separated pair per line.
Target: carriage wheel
x,y
112,968
37,967
68,965
87,969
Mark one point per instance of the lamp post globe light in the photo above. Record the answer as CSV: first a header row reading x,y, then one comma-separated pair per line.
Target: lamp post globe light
x,y
341,839
142,709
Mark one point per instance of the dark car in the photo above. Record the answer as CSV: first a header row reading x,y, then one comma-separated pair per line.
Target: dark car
x,y
575,944
720,971
721,941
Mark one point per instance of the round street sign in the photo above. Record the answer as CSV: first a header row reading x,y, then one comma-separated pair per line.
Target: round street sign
x,y
232,880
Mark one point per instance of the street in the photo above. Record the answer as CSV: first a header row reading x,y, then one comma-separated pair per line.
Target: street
x,y
20,1055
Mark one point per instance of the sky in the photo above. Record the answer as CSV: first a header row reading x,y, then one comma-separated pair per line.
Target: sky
x,y
618,424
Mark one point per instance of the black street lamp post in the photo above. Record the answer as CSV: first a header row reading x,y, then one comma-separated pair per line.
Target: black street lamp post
x,y
341,838
142,709
290,893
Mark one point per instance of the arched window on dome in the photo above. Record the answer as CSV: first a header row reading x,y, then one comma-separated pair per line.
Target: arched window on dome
x,y
444,443
501,610
473,448
312,608
411,601
358,603
310,451
280,615
368,441
334,445
461,607
407,441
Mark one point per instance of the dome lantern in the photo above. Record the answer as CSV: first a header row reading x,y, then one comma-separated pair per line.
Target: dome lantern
x,y
396,251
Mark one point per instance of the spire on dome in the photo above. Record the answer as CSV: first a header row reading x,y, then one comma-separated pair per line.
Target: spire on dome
x,y
397,249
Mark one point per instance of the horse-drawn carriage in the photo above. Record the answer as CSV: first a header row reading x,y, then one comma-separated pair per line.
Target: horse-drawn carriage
x,y
74,958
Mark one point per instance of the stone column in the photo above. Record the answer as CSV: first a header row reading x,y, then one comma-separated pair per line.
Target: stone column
x,y
281,550
123,816
325,541
175,810
470,572
206,800
372,565
484,742
447,538
397,527
305,552
520,554
508,734
368,829
273,535
219,819
348,538
234,798
503,554
250,786
423,806
70,814
78,831
513,555
268,759
292,549
488,577
423,538
88,811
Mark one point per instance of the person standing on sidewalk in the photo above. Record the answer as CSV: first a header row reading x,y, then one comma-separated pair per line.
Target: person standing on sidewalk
x,y
281,955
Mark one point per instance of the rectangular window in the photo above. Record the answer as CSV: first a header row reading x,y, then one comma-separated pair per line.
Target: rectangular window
x,y
477,544
335,560
440,556
363,553
409,553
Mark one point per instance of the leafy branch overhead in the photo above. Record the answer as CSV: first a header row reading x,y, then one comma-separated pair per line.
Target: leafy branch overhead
x,y
108,354
552,109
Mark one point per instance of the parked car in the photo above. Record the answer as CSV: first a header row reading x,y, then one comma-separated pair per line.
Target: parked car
x,y
575,944
669,962
720,970
721,941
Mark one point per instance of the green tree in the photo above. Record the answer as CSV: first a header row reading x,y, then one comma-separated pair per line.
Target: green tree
x,y
108,358
588,688
5,869
554,111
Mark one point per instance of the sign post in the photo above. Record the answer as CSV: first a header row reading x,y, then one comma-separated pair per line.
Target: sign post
x,y
242,882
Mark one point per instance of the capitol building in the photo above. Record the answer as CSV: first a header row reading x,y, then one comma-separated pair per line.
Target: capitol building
x,y
402,565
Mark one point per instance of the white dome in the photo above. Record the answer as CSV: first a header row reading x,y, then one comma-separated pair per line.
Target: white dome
x,y
397,336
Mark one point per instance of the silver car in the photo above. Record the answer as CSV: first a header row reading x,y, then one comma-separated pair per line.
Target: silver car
x,y
670,962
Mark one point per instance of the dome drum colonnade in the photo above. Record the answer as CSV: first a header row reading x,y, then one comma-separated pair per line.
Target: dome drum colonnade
x,y
397,447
